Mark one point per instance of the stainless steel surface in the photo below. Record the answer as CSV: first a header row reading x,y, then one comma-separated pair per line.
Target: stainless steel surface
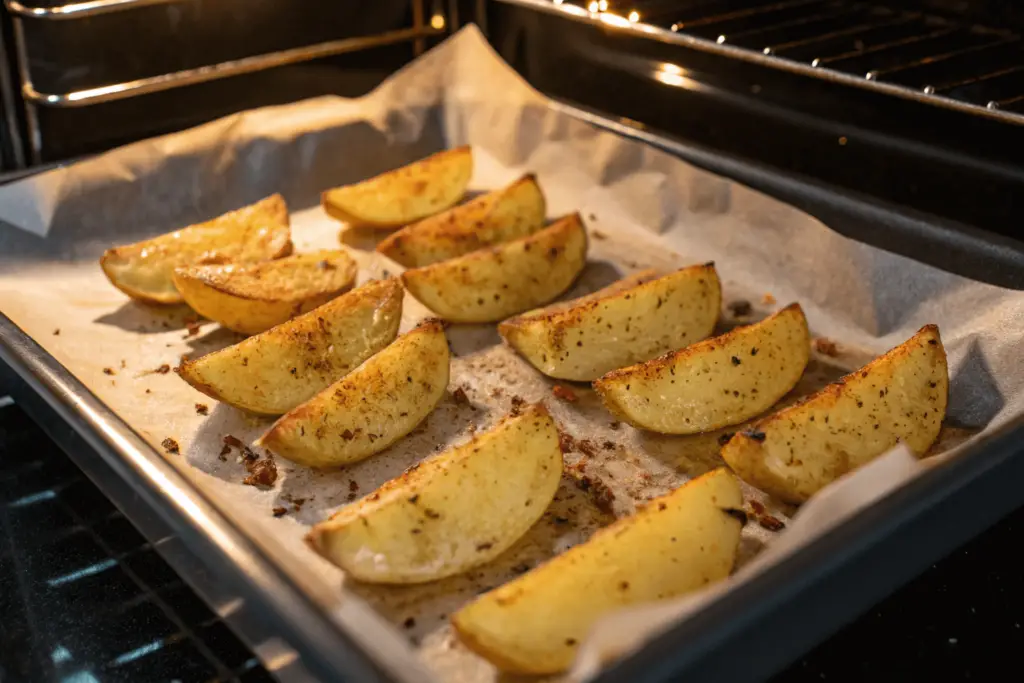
x,y
768,56
79,10
151,486
144,86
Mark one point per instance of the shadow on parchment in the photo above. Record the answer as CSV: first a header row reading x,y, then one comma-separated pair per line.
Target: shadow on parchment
x,y
133,316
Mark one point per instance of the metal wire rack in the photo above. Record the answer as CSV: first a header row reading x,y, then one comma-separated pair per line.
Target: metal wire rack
x,y
907,53
86,597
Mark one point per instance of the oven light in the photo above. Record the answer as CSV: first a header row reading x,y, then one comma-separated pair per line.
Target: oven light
x,y
603,5
634,16
437,22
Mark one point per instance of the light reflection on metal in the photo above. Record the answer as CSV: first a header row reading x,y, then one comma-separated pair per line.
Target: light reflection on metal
x,y
437,22
634,16
78,10
674,75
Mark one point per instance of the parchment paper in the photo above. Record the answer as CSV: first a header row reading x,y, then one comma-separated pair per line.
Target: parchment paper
x,y
643,208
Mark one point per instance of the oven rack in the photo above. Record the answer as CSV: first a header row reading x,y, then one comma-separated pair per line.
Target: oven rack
x,y
444,17
904,53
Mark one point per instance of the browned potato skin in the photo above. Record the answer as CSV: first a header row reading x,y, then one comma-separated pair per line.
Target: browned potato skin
x,y
622,324
507,214
274,371
403,195
258,232
493,283
708,402
252,298
899,396
391,393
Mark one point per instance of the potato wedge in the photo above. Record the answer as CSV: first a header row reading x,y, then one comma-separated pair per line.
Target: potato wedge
x,y
368,410
452,512
507,214
493,283
404,195
900,396
253,297
144,270
677,543
714,383
275,371
628,322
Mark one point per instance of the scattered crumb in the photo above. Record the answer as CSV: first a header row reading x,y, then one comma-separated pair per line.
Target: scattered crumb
x,y
602,496
740,308
56,332
224,452
109,371
497,393
608,446
280,511
202,409
192,326
517,405
171,446
350,497
757,507
587,447
149,391
598,235
460,397
768,299
261,472
826,347
233,441
352,485
615,425
566,442
123,364
409,623
771,523
163,369
591,216
564,393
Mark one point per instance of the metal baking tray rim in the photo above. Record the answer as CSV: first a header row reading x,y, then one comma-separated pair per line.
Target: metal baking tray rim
x,y
355,644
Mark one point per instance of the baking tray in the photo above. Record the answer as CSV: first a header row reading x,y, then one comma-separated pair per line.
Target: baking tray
x,y
344,640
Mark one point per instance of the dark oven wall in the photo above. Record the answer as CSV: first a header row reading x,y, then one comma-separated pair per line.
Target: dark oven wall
x,y
74,61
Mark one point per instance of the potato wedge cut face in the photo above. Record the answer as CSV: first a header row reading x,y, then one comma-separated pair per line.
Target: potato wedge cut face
x,y
501,216
494,283
629,322
251,298
714,383
277,370
678,543
455,511
144,270
406,194
371,408
900,396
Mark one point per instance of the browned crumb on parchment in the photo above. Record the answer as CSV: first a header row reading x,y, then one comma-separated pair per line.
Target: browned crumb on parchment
x,y
826,347
171,446
280,511
768,299
262,471
109,371
202,409
564,393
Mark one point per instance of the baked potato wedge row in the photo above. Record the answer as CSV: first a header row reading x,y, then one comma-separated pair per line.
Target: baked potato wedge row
x,y
628,322
677,543
144,270
900,396
714,383
252,297
370,408
404,195
507,214
275,371
493,283
452,512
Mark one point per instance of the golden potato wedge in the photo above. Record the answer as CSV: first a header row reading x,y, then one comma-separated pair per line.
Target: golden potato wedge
x,y
628,322
493,283
900,396
714,383
507,214
454,511
253,297
144,270
368,410
404,195
275,371
677,543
